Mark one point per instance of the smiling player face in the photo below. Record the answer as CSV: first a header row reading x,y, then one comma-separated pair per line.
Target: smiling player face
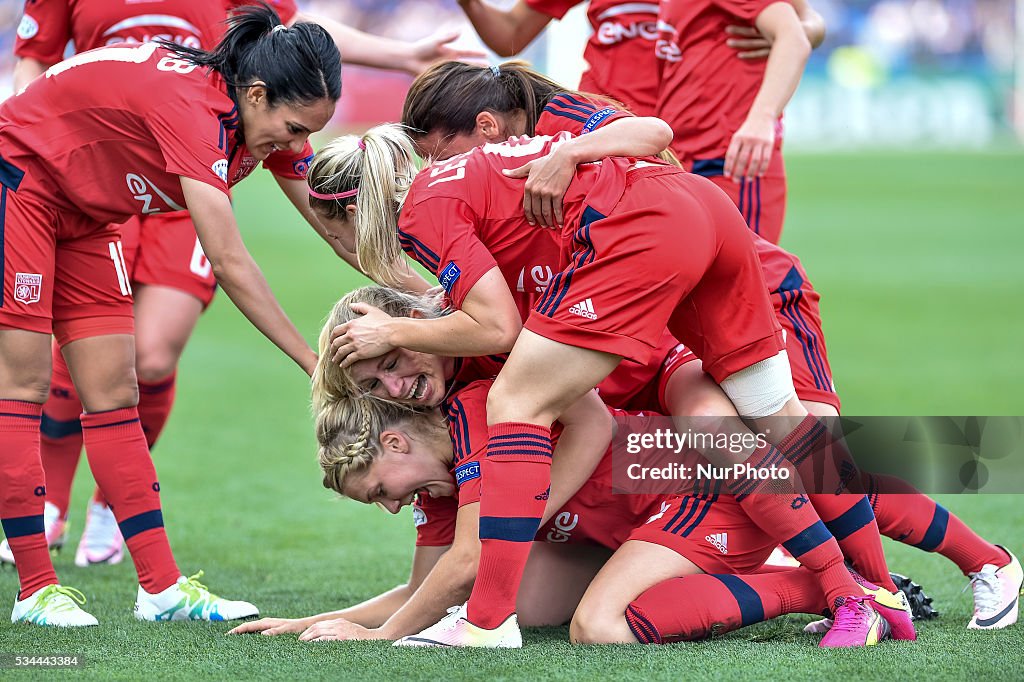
x,y
404,376
284,126
407,466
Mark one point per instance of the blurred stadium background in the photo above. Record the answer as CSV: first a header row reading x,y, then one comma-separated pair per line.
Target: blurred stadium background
x,y
906,207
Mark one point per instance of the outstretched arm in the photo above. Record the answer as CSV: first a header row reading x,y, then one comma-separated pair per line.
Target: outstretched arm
x,y
237,272
506,32
365,49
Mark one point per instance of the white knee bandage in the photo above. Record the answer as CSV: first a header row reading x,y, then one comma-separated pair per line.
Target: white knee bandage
x,y
761,389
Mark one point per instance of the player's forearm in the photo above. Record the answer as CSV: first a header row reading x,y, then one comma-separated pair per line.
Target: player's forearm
x,y
785,67
812,22
447,585
247,288
585,437
506,32
639,136
364,49
373,612
26,70
455,335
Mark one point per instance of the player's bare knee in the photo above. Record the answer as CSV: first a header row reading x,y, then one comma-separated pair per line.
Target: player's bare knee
x,y
595,627
155,365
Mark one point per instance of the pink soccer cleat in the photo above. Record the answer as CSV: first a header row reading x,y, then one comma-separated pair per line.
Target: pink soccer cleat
x,y
894,608
855,624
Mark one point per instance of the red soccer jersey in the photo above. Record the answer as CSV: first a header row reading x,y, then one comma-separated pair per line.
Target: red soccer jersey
x,y
706,90
594,515
114,128
576,115
463,217
620,53
48,25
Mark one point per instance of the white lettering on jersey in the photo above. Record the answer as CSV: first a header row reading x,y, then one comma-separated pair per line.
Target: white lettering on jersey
x,y
667,48
541,276
200,264
564,523
181,31
456,168
140,186
130,55
612,32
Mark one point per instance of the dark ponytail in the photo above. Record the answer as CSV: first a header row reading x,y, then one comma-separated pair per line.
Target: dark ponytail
x,y
299,65
447,97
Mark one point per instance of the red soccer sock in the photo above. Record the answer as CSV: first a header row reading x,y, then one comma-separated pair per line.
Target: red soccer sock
x,y
852,523
909,516
121,464
23,495
61,445
779,508
699,606
155,402
518,475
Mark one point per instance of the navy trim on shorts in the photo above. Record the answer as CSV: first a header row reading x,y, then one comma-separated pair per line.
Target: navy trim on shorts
x,y
10,175
709,168
584,254
3,220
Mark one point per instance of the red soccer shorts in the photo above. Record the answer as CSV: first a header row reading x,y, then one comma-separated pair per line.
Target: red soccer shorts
x,y
673,253
796,305
163,250
711,531
63,272
762,201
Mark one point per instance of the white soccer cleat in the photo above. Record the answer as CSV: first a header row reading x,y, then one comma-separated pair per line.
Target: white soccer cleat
x,y
54,526
996,595
818,627
188,599
455,630
55,606
101,541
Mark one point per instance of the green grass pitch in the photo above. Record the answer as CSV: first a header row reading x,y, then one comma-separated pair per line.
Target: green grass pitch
x,y
918,261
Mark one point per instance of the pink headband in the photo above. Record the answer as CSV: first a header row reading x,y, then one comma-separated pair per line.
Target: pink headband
x,y
329,197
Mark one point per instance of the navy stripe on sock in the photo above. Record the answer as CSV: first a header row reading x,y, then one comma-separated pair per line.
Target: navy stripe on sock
x,y
58,428
852,520
642,628
936,532
107,426
139,523
15,415
20,526
809,538
510,528
751,606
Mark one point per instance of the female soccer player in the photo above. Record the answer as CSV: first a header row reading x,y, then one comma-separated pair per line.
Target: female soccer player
x,y
375,452
170,277
727,112
108,134
620,226
903,513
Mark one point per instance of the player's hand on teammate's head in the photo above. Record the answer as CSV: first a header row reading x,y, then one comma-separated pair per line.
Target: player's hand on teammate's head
x,y
748,42
429,51
368,336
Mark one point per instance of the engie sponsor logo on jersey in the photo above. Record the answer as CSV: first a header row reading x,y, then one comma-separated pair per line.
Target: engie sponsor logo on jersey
x,y
596,119
466,472
612,32
27,287
449,276
28,28
301,167
220,169
564,523
143,189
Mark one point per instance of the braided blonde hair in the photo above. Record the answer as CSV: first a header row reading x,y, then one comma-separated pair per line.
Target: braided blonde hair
x,y
331,383
348,435
381,164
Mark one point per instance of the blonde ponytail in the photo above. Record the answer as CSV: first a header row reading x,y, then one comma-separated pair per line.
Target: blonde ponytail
x,y
380,166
